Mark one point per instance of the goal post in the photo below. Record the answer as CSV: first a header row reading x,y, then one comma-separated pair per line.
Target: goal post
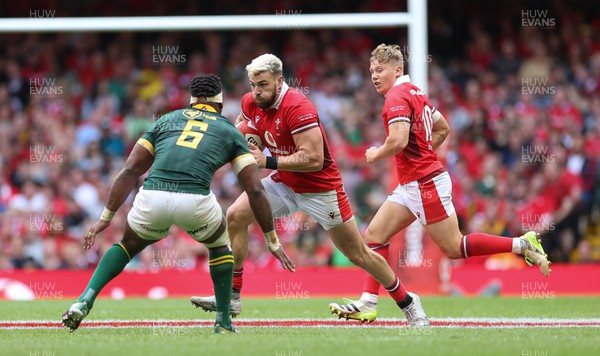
x,y
415,20
417,43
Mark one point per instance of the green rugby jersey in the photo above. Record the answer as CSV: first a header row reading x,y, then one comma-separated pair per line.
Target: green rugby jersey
x,y
189,145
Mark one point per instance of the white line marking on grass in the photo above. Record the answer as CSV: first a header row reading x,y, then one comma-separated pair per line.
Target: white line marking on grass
x,y
314,323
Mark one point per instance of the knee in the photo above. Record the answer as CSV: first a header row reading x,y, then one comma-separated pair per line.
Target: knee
x,y
132,247
372,234
238,217
218,249
452,251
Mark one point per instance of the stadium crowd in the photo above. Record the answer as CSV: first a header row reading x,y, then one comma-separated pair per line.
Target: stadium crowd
x,y
523,102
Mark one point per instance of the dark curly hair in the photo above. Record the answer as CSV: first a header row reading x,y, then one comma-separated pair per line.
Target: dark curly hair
x,y
205,86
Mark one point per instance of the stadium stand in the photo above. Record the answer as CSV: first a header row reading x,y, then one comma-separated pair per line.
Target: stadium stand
x,y
523,103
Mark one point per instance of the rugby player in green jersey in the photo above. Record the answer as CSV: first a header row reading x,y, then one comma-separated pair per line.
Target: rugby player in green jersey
x,y
184,147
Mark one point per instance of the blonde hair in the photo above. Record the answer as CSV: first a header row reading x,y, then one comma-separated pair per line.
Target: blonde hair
x,y
388,54
265,63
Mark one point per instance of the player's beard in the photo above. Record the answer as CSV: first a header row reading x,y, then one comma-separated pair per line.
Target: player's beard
x,y
267,103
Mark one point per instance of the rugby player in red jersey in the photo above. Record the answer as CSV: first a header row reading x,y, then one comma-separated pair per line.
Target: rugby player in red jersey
x,y
415,129
305,178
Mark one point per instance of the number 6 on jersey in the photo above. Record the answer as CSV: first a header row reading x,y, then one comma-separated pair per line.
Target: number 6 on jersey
x,y
189,131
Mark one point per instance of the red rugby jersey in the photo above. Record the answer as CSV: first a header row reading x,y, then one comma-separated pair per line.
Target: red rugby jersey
x,y
405,102
291,114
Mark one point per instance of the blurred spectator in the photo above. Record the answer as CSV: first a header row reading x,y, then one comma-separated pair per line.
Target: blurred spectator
x,y
30,200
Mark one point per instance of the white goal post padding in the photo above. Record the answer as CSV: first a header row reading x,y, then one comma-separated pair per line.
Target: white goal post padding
x,y
415,19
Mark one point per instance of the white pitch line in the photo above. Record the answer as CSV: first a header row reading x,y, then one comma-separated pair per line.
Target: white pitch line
x,y
470,323
263,320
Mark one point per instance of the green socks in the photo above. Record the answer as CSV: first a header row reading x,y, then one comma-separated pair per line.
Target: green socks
x,y
111,264
221,272
116,258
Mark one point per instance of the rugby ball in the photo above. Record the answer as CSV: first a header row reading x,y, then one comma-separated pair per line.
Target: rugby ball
x,y
250,133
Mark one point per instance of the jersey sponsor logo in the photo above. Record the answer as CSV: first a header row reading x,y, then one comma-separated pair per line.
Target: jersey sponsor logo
x,y
270,139
194,114
159,231
397,108
201,228
417,92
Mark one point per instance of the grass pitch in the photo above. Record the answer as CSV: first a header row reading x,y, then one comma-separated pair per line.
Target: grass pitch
x,y
160,339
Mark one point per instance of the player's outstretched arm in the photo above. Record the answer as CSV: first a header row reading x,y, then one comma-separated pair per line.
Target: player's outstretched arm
x,y
439,131
249,179
138,162
394,143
